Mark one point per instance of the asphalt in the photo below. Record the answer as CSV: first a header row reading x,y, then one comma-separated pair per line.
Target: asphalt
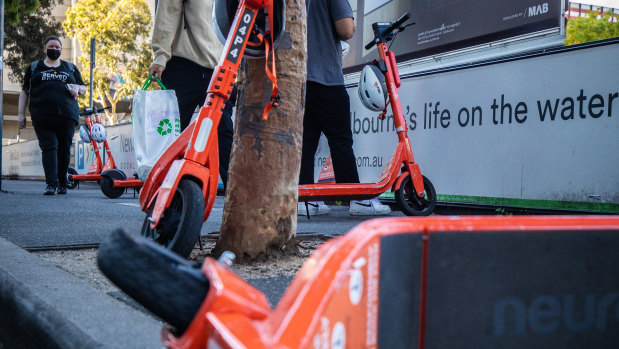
x,y
42,306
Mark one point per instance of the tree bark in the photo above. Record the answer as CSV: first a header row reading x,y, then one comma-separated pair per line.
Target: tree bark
x,y
260,211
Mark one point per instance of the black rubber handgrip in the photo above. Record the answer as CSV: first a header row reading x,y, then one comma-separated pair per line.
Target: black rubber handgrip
x,y
398,23
89,112
370,44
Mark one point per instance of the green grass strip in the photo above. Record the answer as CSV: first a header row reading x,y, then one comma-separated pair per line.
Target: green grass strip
x,y
526,203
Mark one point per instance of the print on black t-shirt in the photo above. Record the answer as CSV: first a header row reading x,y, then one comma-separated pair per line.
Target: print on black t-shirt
x,y
54,74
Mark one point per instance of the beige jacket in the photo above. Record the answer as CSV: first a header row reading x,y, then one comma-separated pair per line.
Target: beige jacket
x,y
195,41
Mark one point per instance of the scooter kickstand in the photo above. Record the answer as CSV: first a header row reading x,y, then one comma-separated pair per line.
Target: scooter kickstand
x,y
307,210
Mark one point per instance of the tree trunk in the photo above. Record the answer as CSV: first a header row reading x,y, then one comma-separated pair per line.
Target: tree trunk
x,y
260,210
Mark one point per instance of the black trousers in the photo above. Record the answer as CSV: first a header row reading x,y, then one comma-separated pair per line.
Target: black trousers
x,y
190,82
327,110
55,136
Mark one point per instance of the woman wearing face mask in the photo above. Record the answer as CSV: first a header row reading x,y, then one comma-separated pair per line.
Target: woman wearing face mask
x,y
52,85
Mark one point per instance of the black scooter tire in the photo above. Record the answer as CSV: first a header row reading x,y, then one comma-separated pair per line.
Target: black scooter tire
x,y
108,189
169,286
410,203
71,184
179,228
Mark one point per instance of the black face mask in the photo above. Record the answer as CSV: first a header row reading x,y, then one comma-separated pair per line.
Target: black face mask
x,y
53,54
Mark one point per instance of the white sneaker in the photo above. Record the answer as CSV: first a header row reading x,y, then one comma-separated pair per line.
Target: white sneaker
x,y
315,208
371,207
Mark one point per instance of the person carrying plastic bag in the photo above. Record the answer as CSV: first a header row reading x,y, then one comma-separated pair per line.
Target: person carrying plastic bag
x,y
156,124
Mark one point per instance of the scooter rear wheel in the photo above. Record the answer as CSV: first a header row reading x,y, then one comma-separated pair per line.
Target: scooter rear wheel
x,y
179,227
167,285
71,184
410,203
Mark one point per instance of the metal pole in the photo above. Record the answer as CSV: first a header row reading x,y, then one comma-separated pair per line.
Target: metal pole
x,y
92,68
1,82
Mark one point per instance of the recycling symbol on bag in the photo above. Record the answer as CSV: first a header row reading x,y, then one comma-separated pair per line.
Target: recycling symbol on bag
x,y
165,127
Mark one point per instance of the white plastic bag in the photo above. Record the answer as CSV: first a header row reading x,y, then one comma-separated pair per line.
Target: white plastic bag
x,y
156,124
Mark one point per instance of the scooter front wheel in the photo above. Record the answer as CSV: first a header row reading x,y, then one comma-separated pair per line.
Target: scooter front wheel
x,y
411,203
166,284
179,227
71,184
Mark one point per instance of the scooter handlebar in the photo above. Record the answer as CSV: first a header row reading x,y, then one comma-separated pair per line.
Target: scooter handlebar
x,y
88,111
398,23
385,34
370,44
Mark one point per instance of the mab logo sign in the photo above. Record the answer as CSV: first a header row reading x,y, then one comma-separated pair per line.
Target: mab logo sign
x,y
538,10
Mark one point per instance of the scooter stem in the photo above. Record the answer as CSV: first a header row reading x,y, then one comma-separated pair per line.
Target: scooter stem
x,y
398,117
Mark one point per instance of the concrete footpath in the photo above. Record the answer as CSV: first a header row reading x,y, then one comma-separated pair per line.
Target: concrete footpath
x,y
42,306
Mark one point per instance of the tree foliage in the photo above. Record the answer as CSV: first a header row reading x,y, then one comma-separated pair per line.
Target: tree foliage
x,y
28,23
14,9
121,29
590,28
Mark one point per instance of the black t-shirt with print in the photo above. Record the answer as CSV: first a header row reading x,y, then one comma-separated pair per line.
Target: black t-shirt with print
x,y
49,95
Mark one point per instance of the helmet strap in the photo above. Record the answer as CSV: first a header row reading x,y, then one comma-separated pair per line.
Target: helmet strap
x,y
271,73
381,116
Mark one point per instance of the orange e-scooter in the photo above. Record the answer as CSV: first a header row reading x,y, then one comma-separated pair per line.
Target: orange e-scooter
x,y
180,189
414,193
97,166
107,175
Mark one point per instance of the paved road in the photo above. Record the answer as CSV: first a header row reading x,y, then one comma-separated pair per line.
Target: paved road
x,y
84,216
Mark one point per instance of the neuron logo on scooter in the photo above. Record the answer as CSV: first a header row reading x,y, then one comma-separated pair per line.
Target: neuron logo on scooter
x,y
547,314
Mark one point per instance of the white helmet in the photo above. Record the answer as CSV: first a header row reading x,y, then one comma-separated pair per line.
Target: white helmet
x,y
372,88
84,134
98,133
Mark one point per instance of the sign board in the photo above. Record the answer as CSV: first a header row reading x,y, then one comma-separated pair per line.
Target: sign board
x,y
448,25
22,160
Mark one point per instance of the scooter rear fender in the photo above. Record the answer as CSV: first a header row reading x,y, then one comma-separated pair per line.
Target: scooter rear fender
x,y
114,174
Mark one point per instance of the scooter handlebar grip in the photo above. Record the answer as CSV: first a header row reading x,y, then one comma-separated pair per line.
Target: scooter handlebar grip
x,y
398,23
370,44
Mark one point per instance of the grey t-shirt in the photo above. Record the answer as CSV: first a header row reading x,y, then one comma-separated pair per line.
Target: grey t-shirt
x,y
324,52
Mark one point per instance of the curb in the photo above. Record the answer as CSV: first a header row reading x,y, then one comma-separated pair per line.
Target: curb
x,y
43,306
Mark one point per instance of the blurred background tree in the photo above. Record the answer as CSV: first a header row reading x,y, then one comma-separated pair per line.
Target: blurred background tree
x,y
27,24
123,54
14,9
590,28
